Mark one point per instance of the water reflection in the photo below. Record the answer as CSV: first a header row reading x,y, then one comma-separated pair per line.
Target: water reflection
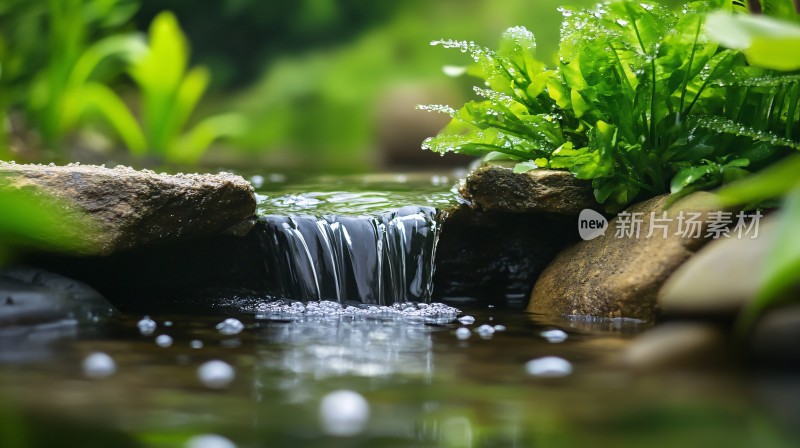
x,y
325,339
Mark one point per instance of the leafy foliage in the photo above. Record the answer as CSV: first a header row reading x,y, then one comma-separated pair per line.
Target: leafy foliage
x,y
39,221
641,102
68,84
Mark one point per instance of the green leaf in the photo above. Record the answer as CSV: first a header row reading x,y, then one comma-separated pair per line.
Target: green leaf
x,y
524,167
767,41
770,183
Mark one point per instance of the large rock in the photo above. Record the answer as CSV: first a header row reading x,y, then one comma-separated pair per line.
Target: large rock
x,y
137,208
498,188
620,275
677,345
721,278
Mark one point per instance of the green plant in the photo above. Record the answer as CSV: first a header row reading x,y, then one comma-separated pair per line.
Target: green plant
x,y
170,92
31,219
48,81
641,103
70,85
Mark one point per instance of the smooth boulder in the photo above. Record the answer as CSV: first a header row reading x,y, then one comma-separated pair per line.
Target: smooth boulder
x,y
619,275
135,208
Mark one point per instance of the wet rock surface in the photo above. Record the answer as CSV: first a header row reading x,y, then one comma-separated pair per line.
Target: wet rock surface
x,y
138,208
720,278
614,276
30,296
39,308
677,345
497,188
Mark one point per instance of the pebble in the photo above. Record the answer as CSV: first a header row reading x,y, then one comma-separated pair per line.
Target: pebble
x,y
230,326
216,374
549,366
209,441
99,365
463,333
343,413
554,336
164,340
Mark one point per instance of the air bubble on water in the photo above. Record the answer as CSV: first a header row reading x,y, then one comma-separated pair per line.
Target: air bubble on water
x,y
167,323
164,340
343,413
216,374
99,365
196,344
230,326
548,366
209,441
499,328
554,336
146,326
467,320
485,331
463,333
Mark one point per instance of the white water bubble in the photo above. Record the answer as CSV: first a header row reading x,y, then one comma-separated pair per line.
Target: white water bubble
x,y
209,441
196,344
164,340
467,320
485,331
463,333
99,365
146,326
549,366
167,323
216,374
230,326
343,413
499,328
554,336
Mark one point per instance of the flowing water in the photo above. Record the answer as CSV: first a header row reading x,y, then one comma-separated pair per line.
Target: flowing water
x,y
351,371
372,243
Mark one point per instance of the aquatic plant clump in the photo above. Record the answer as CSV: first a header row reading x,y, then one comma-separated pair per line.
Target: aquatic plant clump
x,y
641,102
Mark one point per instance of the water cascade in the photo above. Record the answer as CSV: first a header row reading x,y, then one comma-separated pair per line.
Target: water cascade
x,y
377,258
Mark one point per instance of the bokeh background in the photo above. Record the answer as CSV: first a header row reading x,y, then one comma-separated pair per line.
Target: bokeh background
x,y
310,84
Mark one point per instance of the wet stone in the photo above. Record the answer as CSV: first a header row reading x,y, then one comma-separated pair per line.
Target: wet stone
x,y
676,345
135,208
499,189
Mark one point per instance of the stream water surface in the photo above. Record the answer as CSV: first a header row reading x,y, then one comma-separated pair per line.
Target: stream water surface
x,y
360,370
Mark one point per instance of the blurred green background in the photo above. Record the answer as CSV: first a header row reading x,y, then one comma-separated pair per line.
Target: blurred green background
x,y
317,84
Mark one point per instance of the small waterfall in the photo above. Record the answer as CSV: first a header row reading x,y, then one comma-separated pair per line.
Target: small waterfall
x,y
378,259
